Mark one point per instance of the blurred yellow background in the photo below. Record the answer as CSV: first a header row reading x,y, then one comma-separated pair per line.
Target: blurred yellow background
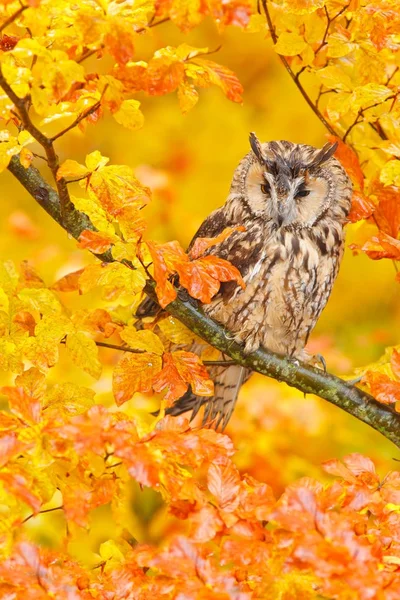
x,y
188,162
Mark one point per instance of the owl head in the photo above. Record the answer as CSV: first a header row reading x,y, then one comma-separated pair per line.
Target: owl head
x,y
292,185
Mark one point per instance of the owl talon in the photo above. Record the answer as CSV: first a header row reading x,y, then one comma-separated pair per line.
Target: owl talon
x,y
294,361
318,358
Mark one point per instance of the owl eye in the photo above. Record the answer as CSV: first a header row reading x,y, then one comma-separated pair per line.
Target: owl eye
x,y
302,193
265,188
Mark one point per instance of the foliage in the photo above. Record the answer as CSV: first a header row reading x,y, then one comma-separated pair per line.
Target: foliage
x,y
190,517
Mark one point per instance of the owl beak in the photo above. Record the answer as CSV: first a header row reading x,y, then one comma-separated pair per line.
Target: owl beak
x,y
280,220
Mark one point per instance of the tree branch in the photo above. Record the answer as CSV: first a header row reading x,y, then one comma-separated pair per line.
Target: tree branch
x,y
301,376
22,105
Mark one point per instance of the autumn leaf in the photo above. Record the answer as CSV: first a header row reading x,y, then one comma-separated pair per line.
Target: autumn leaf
x,y
97,242
135,373
382,388
191,369
361,207
84,353
223,481
68,283
290,44
202,244
71,169
223,78
169,379
381,246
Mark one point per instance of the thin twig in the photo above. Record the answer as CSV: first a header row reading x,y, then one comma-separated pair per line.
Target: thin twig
x,y
86,113
328,26
114,347
303,92
90,53
41,512
361,114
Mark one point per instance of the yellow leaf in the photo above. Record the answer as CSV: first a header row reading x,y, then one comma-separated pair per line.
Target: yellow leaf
x,y
84,353
335,78
338,105
115,277
25,157
128,115
187,96
69,399
71,169
95,213
60,75
142,340
95,160
370,94
24,137
42,300
17,77
290,44
303,7
390,174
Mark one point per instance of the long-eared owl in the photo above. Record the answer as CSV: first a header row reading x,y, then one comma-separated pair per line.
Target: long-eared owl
x,y
293,201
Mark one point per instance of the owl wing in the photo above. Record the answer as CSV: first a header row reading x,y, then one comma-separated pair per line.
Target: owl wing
x,y
227,380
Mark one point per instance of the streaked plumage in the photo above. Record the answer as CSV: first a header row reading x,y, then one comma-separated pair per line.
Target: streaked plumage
x,y
293,201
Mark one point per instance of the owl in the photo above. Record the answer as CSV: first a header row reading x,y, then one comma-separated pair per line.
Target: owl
x,y
293,201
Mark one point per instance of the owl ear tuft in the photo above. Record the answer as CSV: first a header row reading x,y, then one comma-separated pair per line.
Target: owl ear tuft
x,y
324,154
256,147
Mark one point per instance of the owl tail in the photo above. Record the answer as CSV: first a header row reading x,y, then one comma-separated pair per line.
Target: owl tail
x,y
219,408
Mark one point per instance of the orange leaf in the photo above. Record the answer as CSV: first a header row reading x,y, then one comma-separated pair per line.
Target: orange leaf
x,y
223,481
224,78
119,40
350,162
170,379
164,289
382,246
387,213
395,363
134,373
202,244
23,405
203,276
361,207
192,370
68,283
19,485
95,241
383,388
